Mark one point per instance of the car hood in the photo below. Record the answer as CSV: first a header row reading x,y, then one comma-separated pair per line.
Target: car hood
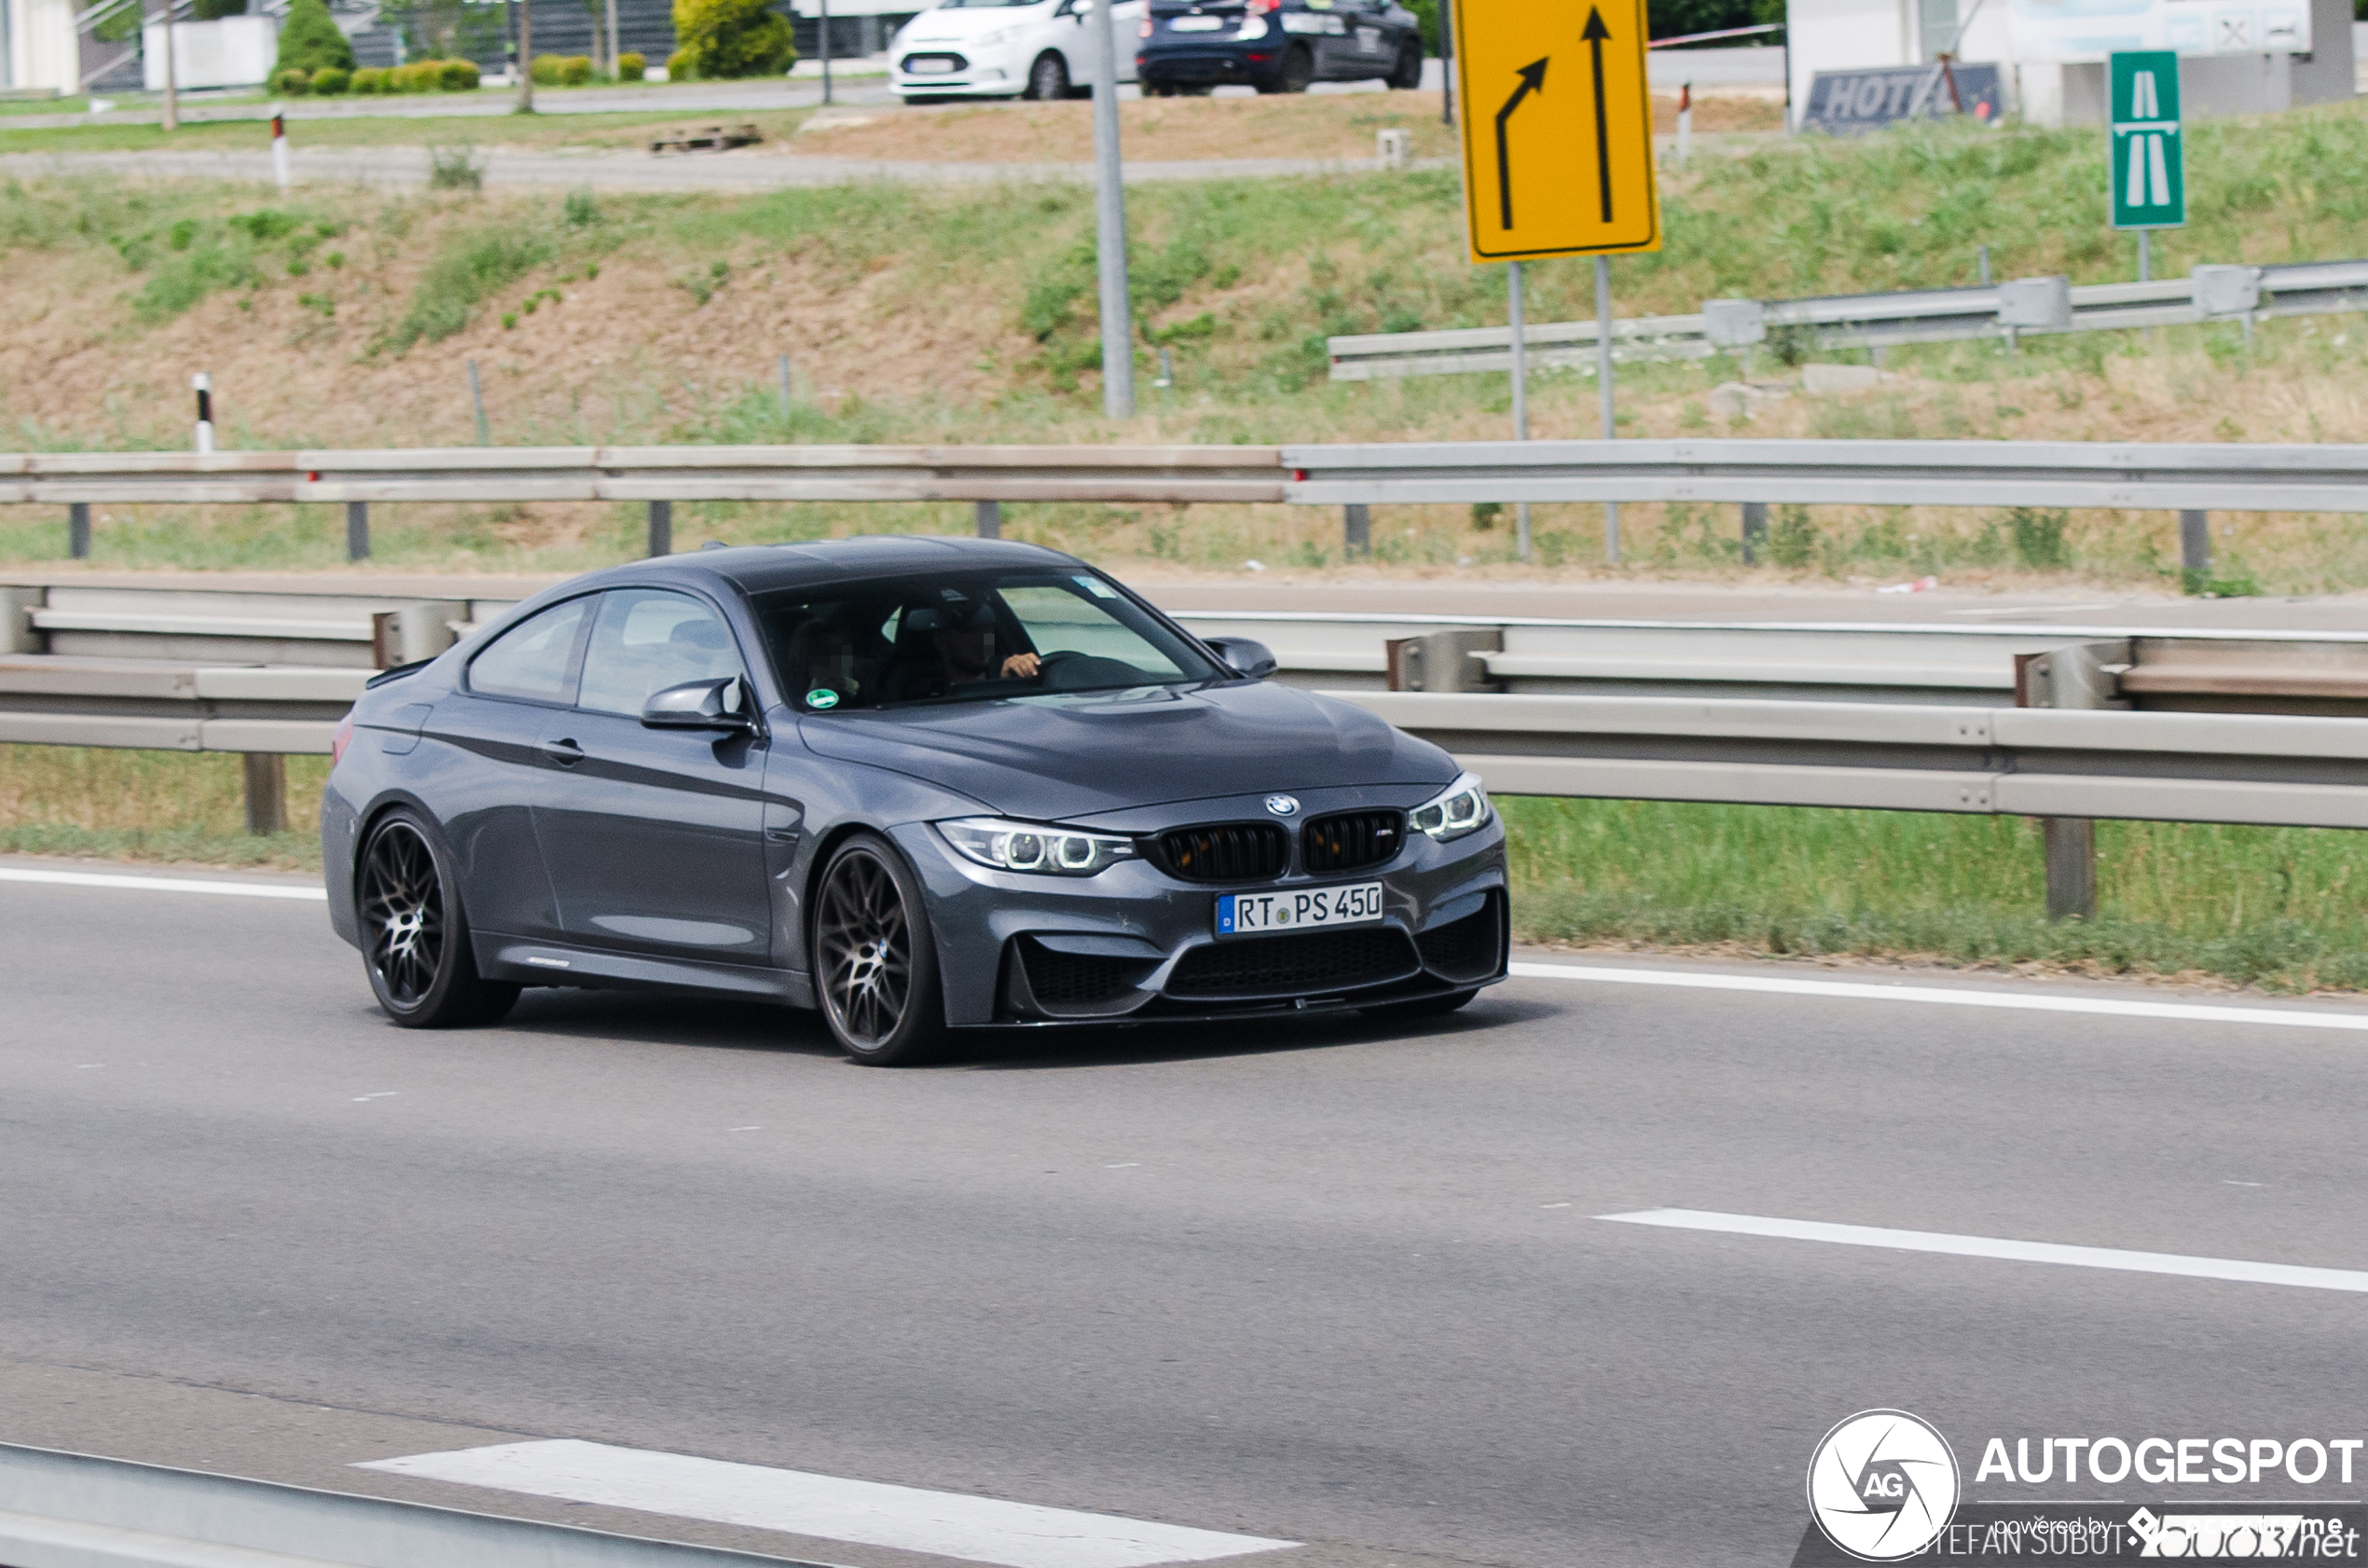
x,y
1052,758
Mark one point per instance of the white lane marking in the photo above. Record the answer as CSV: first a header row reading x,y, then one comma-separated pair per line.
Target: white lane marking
x,y
165,885
902,1517
2022,1001
2241,1270
379,1094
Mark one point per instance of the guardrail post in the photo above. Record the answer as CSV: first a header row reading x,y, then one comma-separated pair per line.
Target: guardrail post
x,y
1755,531
266,791
661,527
1357,530
1444,661
2080,675
78,530
2072,867
357,530
17,606
989,514
2194,544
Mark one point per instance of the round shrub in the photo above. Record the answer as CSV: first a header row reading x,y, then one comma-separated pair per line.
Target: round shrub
x,y
421,75
292,81
545,69
575,70
629,67
310,39
331,79
733,38
679,68
460,75
370,78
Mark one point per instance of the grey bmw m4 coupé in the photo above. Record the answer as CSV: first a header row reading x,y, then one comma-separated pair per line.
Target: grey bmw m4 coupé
x,y
926,785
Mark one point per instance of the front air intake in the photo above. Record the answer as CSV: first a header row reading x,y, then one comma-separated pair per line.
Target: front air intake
x,y
1350,840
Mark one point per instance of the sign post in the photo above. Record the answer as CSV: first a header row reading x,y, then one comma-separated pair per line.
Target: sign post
x,y
1557,149
2147,175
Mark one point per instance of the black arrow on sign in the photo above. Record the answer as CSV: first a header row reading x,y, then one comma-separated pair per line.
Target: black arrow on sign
x,y
1594,36
1533,81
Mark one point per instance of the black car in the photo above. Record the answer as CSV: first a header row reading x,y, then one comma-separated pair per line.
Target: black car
x,y
1277,45
925,784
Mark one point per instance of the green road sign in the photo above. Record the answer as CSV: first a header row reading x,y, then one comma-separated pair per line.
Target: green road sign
x,y
2149,176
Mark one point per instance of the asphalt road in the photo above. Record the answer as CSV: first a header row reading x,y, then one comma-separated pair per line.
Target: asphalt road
x,y
1341,1284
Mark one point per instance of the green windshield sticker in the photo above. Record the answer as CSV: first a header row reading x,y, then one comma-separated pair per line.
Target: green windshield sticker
x,y
821,696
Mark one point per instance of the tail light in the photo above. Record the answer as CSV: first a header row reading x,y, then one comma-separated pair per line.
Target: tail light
x,y
339,740
1259,8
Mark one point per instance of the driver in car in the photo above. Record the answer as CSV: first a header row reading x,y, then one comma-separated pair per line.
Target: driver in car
x,y
968,650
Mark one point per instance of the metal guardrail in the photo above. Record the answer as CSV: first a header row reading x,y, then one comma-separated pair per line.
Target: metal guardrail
x,y
1863,320
71,1510
2186,477
2176,767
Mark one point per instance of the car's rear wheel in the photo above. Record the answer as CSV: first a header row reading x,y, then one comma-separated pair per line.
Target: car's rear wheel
x,y
1048,79
874,964
1429,1006
1408,73
1298,69
415,935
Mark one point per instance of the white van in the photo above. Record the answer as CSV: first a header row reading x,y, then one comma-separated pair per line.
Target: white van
x,y
1007,48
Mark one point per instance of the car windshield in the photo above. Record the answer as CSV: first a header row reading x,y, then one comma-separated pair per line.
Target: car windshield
x,y
970,637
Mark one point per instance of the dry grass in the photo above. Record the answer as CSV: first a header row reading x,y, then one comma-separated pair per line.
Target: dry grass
x,y
150,805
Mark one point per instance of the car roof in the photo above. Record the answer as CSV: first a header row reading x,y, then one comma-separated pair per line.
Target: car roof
x,y
764,568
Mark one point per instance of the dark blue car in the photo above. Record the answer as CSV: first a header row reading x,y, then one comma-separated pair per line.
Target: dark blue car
x,y
1193,46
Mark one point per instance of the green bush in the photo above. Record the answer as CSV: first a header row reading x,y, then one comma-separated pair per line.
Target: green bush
x,y
734,39
470,268
460,75
421,75
629,67
679,68
293,82
545,69
370,78
575,70
310,39
331,80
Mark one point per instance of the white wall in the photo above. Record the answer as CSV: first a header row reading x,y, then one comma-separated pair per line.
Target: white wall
x,y
42,48
232,51
1844,34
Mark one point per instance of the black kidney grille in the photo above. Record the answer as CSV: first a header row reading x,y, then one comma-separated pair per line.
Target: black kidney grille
x,y
1305,962
1353,839
1466,949
1231,852
1077,978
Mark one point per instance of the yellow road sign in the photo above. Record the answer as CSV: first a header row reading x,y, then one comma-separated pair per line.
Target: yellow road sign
x,y
1558,128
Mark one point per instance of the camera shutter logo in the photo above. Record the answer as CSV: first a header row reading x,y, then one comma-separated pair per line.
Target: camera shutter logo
x,y
1882,1485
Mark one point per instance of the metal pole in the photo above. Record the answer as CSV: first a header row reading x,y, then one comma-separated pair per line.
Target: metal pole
x,y
2145,258
476,399
78,530
1983,261
526,57
267,779
1109,226
613,49
2194,544
786,399
1604,387
1755,531
1520,394
171,75
826,50
1357,530
989,515
1447,61
661,527
2071,846
357,530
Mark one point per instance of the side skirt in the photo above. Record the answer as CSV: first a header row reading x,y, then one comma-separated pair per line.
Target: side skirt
x,y
545,963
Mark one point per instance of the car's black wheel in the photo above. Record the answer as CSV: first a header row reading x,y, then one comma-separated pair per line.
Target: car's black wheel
x,y
1429,1006
1298,69
1408,73
874,963
1048,79
415,935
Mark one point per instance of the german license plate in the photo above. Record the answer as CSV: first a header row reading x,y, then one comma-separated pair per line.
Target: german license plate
x,y
1255,914
929,68
1195,24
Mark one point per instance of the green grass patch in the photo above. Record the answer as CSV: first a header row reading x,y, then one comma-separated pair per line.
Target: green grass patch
x,y
2282,908
151,805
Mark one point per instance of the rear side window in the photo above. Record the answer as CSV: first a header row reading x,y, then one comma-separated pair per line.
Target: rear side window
x,y
647,640
534,659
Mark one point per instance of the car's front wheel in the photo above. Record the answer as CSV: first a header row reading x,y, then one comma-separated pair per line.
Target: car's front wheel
x,y
875,962
1408,73
415,935
1048,79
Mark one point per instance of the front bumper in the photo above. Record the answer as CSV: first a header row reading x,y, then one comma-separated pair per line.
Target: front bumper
x,y
1135,944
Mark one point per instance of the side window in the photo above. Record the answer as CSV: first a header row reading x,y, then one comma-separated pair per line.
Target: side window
x,y
533,659
646,639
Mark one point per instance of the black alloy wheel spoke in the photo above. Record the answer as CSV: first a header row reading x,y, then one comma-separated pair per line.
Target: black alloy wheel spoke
x,y
861,942
403,906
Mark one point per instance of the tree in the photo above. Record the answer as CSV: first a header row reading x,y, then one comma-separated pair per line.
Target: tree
x,y
726,38
310,39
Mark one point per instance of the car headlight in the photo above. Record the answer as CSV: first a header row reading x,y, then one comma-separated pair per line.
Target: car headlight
x,y
1461,808
1030,847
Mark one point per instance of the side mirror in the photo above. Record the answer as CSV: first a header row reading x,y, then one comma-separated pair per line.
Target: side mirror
x,y
701,705
1246,655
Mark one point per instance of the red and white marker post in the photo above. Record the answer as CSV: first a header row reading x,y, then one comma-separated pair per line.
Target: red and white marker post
x,y
279,146
203,384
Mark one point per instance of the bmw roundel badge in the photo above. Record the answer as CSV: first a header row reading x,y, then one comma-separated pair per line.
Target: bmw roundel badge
x,y
1283,806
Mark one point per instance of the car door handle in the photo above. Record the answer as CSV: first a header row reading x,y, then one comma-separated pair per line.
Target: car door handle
x,y
567,753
